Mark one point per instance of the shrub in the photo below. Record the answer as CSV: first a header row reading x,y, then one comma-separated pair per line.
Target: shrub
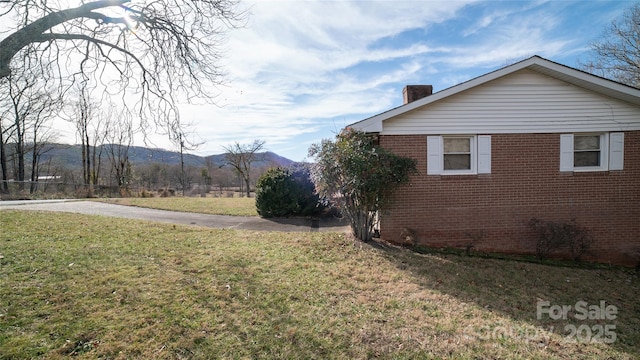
x,y
553,235
285,192
146,194
360,176
167,193
475,237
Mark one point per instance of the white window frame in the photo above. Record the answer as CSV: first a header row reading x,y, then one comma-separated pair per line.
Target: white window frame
x,y
473,152
611,152
604,153
480,146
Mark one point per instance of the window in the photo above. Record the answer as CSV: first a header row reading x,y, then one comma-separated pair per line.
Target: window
x,y
591,152
586,151
458,154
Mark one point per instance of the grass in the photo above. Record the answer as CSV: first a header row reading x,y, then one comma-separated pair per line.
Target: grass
x,y
95,287
213,206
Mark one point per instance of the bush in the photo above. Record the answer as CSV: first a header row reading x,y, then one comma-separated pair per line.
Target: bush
x,y
146,194
285,192
556,235
360,176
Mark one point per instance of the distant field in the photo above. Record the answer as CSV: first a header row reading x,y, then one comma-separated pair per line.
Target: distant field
x,y
213,206
95,287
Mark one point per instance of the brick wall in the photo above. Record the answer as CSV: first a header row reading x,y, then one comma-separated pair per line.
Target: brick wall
x,y
525,182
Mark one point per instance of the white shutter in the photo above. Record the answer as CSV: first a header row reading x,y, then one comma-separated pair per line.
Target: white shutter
x,y
566,152
616,151
434,155
484,154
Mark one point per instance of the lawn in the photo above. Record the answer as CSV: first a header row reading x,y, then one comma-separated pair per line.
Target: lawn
x,y
97,287
213,206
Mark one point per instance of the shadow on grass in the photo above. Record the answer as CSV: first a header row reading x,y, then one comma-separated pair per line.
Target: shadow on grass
x,y
515,289
325,223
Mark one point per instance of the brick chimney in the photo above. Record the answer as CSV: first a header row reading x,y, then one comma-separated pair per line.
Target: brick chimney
x,y
412,93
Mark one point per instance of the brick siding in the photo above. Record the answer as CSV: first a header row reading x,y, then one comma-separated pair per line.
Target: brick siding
x,y
525,182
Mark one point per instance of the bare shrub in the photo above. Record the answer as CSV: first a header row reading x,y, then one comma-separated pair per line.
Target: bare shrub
x,y
167,193
409,237
146,194
475,237
552,235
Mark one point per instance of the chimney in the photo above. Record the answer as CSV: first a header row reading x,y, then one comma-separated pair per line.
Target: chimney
x,y
412,93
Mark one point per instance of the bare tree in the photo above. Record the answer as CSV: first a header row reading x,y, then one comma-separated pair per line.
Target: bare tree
x,y
84,111
120,138
4,185
43,146
240,157
616,54
153,175
28,105
179,138
98,139
183,177
41,136
90,122
222,178
152,54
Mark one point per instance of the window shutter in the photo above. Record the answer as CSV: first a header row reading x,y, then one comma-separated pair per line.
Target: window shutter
x,y
616,151
434,155
566,152
484,154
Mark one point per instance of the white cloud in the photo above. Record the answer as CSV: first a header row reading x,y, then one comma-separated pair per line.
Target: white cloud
x,y
289,68
301,70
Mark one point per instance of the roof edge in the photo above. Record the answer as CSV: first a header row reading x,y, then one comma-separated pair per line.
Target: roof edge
x,y
619,90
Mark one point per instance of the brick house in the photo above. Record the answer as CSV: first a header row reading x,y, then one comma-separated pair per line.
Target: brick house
x,y
533,139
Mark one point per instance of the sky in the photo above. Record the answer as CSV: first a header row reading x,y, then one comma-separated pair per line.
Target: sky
x,y
299,71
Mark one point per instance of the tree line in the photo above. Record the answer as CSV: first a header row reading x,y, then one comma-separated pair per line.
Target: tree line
x,y
63,173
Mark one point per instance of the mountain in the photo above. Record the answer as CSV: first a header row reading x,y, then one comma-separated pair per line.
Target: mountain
x,y
262,159
71,156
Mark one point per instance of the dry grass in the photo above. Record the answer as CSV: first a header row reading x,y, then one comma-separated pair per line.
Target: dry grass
x,y
213,206
98,287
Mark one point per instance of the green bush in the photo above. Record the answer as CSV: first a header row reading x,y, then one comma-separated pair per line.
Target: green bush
x,y
360,176
285,192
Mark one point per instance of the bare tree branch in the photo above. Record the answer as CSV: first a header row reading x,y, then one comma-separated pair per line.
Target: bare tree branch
x,y
28,105
150,54
240,157
15,42
616,54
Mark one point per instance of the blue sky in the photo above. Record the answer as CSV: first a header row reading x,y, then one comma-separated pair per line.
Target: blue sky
x,y
302,70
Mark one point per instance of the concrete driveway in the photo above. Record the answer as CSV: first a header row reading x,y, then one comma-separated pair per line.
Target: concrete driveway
x,y
213,221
